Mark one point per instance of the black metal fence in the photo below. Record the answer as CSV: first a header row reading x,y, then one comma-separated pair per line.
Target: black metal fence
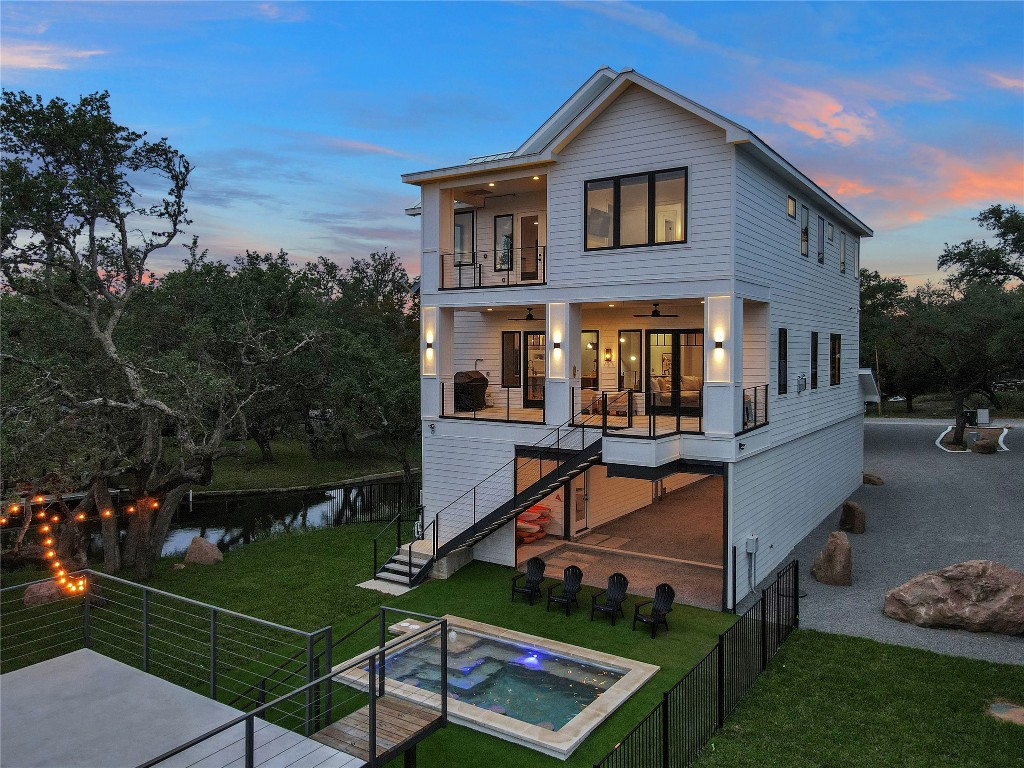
x,y
374,502
673,734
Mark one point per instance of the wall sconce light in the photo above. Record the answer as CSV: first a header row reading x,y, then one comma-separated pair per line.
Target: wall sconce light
x,y
430,345
557,345
608,354
719,345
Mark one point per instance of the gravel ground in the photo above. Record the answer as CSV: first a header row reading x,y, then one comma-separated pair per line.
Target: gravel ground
x,y
935,509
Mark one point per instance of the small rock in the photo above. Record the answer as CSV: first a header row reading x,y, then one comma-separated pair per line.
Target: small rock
x,y
202,552
976,595
834,564
1010,713
852,517
870,479
41,594
985,445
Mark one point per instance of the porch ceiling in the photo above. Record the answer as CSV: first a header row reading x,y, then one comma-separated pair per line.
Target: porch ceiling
x,y
482,189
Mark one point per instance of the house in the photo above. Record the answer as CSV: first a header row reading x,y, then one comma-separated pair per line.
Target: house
x,y
639,349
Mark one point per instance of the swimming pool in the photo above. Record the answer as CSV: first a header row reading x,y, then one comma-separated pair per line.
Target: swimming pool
x,y
540,693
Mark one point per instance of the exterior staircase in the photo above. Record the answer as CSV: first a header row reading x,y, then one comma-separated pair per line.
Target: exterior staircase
x,y
492,503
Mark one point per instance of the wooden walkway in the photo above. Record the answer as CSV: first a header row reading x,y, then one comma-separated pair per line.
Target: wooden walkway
x,y
400,725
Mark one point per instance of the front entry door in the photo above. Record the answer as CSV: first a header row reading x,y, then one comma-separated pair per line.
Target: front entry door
x,y
535,366
675,371
529,244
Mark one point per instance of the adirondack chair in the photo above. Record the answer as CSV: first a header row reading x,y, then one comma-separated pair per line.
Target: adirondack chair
x,y
613,597
661,607
534,576
572,582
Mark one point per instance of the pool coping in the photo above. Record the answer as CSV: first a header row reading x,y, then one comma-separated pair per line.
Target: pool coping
x,y
559,744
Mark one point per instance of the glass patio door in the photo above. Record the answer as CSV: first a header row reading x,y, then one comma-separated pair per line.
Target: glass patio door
x,y
535,365
675,375
529,244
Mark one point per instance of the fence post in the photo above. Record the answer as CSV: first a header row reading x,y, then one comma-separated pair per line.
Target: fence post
x,y
213,653
250,745
329,663
664,730
796,593
373,710
145,630
309,689
85,613
763,616
444,666
721,680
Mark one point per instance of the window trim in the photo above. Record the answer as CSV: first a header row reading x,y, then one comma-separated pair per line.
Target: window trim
x,y
831,232
791,207
821,239
814,359
835,359
805,232
782,367
617,202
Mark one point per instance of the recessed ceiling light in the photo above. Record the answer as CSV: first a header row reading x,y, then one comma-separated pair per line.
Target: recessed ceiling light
x,y
611,305
490,309
536,178
490,184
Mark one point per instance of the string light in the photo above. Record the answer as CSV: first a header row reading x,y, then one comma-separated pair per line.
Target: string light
x,y
40,514
39,499
45,529
80,516
55,518
107,513
3,521
155,504
131,509
50,554
14,508
47,542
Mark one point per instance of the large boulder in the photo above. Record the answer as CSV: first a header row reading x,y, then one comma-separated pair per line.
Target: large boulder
x,y
985,445
977,595
41,594
202,552
870,479
834,564
852,518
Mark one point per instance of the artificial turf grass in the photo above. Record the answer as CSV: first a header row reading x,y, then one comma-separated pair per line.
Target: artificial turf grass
x,y
294,466
833,700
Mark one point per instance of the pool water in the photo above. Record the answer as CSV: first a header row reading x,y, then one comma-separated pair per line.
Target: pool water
x,y
525,683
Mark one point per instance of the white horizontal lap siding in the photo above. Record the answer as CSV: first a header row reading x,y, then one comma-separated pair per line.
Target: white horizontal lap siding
x,y
641,132
613,497
805,296
782,494
477,346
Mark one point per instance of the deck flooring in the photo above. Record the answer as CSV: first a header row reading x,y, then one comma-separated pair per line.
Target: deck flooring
x,y
663,425
399,724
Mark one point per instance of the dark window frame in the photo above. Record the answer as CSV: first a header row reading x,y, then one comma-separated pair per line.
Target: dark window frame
x,y
835,359
814,359
472,236
517,357
512,241
597,350
831,232
821,239
842,252
617,206
805,231
640,359
782,385
791,207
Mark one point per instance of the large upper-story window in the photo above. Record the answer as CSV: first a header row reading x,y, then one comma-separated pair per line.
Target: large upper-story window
x,y
637,210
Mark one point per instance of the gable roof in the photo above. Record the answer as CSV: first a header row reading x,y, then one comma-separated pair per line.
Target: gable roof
x,y
589,101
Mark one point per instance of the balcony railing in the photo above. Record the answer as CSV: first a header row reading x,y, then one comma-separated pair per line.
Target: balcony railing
x,y
755,407
494,269
641,414
500,404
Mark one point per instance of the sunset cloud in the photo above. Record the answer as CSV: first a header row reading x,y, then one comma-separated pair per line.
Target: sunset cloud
x,y
841,187
1002,81
275,12
814,113
18,54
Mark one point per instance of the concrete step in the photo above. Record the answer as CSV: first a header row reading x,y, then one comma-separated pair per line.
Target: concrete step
x,y
393,577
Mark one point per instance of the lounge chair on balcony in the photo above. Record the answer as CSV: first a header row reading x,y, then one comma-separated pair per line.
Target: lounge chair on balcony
x,y
661,607
613,597
572,582
534,576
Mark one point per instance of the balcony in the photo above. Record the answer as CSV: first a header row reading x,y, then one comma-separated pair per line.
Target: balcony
x,y
494,269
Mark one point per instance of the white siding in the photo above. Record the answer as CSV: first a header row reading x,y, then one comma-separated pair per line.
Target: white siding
x,y
642,132
612,497
781,494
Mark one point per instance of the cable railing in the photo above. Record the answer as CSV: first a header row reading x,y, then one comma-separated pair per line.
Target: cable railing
x,y
344,708
210,650
498,404
495,268
634,413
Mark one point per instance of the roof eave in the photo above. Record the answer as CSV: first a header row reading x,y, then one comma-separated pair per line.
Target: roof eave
x,y
476,169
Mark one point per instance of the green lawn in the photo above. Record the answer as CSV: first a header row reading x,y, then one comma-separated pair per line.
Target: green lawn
x,y
941,407
294,466
832,700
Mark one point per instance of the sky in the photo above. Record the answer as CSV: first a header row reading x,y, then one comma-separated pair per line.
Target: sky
x,y
301,117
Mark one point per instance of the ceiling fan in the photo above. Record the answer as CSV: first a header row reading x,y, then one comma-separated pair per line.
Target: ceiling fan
x,y
656,312
529,316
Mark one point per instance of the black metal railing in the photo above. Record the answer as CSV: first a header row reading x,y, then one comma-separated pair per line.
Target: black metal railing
x,y
494,269
645,414
500,404
755,407
678,728
392,534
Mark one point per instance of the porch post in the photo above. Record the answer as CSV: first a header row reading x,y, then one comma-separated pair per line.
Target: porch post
x,y
436,357
723,365
563,355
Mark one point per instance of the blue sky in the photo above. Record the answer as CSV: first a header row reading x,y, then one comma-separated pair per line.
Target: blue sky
x,y
300,117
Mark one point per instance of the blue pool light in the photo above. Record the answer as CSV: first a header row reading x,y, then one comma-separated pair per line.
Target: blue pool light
x,y
530,661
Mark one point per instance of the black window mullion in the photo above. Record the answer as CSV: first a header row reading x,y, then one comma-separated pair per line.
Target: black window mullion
x,y
650,209
616,219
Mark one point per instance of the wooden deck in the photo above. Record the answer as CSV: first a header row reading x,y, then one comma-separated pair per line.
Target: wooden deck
x,y
400,725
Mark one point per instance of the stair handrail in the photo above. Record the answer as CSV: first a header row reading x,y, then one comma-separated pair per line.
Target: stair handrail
x,y
570,422
396,521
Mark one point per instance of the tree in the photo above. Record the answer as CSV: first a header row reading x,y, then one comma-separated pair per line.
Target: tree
x,y
970,335
1001,262
166,388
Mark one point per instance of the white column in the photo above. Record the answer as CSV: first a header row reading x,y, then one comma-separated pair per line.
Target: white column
x,y
436,357
563,354
723,367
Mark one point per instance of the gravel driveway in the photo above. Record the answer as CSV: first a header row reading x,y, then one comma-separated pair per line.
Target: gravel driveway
x,y
934,510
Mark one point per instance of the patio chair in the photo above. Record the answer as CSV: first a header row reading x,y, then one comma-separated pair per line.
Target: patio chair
x,y
534,576
613,597
661,607
572,582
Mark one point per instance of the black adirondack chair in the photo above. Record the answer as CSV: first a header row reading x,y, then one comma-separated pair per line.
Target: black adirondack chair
x,y
613,597
661,607
572,582
534,576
